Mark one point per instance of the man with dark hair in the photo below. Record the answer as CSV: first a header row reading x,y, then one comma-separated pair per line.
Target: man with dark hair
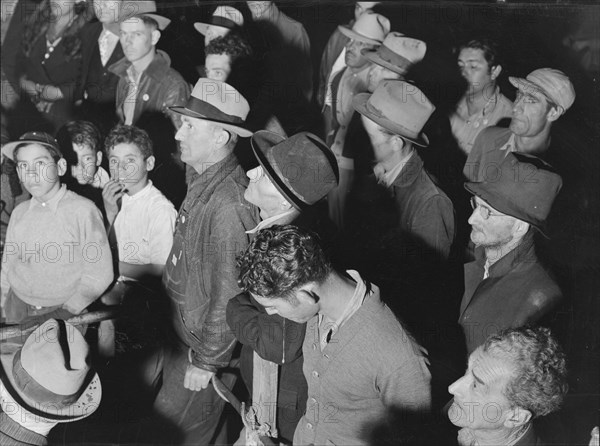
x,y
359,361
482,104
517,375
222,53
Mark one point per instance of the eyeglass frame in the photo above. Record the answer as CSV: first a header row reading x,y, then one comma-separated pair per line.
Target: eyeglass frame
x,y
484,211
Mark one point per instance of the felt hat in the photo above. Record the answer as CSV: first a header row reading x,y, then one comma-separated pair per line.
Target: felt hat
x,y
399,107
42,138
224,16
50,376
301,167
369,28
554,84
397,53
131,9
218,102
525,188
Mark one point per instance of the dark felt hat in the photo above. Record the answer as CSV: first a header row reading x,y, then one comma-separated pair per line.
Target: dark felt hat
x,y
301,167
525,188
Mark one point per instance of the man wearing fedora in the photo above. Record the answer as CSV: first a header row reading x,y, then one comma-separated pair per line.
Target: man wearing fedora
x,y
293,175
368,32
223,20
544,96
47,381
506,286
200,274
404,221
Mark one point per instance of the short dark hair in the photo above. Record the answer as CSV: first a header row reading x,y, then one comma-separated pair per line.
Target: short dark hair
x,y
129,134
489,47
280,260
78,132
540,383
231,44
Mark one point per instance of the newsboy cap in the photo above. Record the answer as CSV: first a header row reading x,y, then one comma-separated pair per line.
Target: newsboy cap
x,y
554,84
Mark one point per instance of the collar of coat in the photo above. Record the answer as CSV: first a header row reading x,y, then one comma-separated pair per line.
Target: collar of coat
x,y
523,252
156,70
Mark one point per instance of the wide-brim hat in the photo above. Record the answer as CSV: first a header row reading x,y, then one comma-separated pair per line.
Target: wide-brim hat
x,y
218,102
524,187
397,53
552,83
301,167
399,107
133,9
20,382
41,138
370,28
224,17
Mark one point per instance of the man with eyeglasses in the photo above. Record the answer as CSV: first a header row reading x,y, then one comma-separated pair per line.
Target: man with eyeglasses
x,y
506,286
541,99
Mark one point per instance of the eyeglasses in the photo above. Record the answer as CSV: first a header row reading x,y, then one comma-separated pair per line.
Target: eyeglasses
x,y
485,211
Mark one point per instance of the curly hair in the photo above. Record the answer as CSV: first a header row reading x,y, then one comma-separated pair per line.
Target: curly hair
x,y
231,44
540,382
38,22
281,259
129,134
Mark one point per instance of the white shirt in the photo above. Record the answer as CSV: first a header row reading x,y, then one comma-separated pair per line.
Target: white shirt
x,y
144,227
270,221
107,42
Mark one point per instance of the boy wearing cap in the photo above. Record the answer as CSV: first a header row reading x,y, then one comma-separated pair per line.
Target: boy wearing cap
x,y
57,259
541,99
506,286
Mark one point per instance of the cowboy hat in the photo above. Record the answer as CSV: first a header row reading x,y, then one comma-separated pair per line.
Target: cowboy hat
x,y
50,375
217,102
224,17
397,53
369,28
399,107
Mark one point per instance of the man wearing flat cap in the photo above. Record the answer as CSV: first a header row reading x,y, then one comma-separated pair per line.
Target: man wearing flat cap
x,y
292,177
506,286
541,99
200,274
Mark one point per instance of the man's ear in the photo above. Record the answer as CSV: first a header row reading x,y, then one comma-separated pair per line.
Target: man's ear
x,y
61,167
307,293
496,72
98,158
285,205
223,138
521,228
554,113
517,417
150,163
155,36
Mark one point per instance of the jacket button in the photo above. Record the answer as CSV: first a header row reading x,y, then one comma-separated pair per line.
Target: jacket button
x,y
315,374
309,426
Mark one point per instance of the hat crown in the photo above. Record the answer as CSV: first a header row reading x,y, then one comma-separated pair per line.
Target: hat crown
x,y
132,9
372,26
555,84
222,96
230,13
411,49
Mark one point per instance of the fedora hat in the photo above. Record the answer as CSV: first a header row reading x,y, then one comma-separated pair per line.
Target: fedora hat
x,y
369,28
224,16
133,9
41,138
399,107
217,102
397,53
554,84
50,376
525,188
301,167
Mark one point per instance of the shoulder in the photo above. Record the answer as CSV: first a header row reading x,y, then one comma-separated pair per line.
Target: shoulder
x,y
495,134
20,210
90,32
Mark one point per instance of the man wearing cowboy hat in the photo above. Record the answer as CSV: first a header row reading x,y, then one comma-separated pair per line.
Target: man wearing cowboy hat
x,y
293,175
222,21
200,274
368,32
408,221
544,96
506,286
47,381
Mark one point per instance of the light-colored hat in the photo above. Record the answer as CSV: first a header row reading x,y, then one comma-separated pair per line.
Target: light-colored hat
x,y
218,102
224,16
51,376
131,9
41,138
397,53
369,28
399,107
301,167
554,84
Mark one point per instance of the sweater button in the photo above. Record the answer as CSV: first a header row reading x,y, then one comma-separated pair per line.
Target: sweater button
x,y
315,374
309,426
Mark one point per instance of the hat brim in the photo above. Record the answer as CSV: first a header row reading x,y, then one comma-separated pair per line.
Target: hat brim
x,y
85,405
202,28
525,85
486,191
163,22
360,105
240,131
373,57
348,32
9,148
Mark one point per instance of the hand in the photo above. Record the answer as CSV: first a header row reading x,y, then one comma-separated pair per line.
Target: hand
x,y
196,379
43,106
112,192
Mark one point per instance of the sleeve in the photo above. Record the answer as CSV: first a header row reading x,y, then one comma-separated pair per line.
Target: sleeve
x,y
161,233
218,269
274,338
10,254
97,268
177,94
434,227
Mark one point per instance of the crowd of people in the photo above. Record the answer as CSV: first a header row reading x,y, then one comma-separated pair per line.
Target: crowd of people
x,y
359,264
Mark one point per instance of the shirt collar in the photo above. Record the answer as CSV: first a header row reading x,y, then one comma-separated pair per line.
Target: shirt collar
x,y
270,221
524,251
139,195
52,203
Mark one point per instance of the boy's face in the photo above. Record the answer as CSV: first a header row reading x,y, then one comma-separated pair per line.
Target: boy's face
x,y
87,163
128,166
38,171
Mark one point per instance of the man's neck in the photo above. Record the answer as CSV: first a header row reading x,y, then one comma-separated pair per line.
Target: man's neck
x,y
112,27
140,65
534,145
477,99
334,294
292,214
217,156
397,157
497,437
495,253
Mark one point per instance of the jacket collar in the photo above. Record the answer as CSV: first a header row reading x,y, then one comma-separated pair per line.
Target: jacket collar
x,y
410,171
203,186
524,252
155,70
